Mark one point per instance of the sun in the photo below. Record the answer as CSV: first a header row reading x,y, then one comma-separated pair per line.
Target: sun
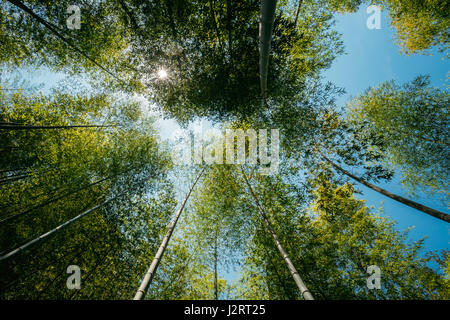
x,y
162,74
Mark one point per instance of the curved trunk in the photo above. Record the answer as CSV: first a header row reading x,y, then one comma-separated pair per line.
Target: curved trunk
x,y
410,203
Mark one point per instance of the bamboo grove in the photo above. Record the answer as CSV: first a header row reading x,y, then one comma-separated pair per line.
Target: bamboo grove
x,y
86,179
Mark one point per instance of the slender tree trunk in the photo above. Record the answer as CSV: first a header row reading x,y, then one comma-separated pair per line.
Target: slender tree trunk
x,y
412,204
30,127
215,267
13,170
53,29
13,178
229,29
301,286
52,200
24,176
282,284
140,294
46,235
297,12
42,267
214,22
45,203
267,18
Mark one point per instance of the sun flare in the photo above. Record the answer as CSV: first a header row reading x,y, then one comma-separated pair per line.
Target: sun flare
x,y
162,74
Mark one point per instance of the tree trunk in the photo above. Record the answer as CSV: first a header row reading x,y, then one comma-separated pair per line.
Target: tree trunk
x,y
52,200
53,29
13,178
13,127
412,204
302,287
265,37
55,230
229,29
297,12
159,254
13,170
215,267
214,22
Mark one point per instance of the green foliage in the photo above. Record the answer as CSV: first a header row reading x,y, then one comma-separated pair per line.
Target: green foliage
x,y
331,242
209,50
67,171
412,123
419,25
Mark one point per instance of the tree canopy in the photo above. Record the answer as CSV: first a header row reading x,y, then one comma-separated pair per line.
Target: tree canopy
x,y
86,180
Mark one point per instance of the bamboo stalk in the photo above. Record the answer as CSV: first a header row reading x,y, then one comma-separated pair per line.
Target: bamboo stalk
x,y
54,30
301,286
216,295
297,12
140,294
54,199
265,36
410,203
55,230
13,127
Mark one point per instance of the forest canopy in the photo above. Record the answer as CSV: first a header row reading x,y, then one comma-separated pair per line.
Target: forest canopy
x,y
86,179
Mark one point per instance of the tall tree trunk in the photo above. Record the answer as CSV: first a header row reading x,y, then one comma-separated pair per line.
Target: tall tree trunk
x,y
53,29
297,12
13,127
46,235
412,204
25,175
265,37
140,294
54,199
13,170
215,267
301,286
214,22
230,29
13,178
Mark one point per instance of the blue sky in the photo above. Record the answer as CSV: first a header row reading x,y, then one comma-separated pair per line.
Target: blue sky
x,y
372,58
